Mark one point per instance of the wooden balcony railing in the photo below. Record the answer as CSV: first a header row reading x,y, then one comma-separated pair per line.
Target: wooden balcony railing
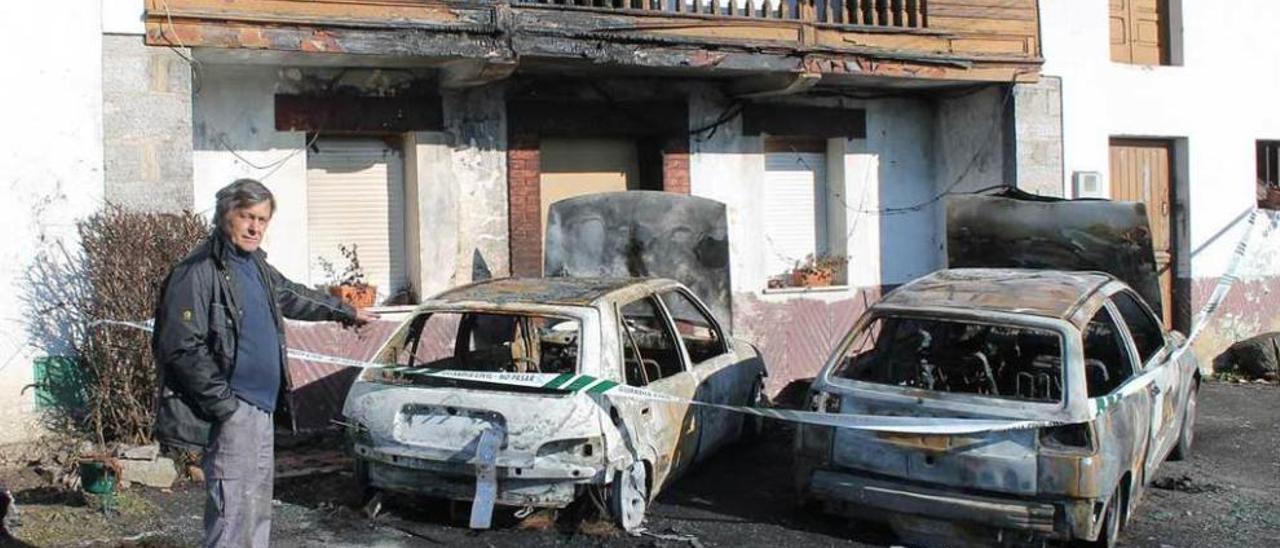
x,y
870,13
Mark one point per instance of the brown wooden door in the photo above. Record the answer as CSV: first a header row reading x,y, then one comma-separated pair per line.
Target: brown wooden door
x,y
1141,172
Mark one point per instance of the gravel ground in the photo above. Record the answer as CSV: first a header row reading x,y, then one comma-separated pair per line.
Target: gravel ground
x,y
1227,494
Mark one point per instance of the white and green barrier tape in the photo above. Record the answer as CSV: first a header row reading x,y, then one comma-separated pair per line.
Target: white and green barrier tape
x,y
594,386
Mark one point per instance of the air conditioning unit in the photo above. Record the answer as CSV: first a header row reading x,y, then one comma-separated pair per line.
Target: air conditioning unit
x,y
1087,184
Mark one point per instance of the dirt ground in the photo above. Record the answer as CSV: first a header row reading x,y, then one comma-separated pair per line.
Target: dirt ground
x,y
1228,494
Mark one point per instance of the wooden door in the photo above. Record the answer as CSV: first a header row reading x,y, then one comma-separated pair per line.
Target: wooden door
x,y
1139,32
1141,172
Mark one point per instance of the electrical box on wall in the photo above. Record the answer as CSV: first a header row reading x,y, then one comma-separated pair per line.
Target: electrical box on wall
x,y
1087,184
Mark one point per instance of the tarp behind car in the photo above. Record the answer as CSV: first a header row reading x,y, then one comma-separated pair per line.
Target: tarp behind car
x,y
644,234
1034,232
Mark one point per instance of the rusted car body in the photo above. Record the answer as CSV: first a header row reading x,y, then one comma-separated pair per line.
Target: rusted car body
x,y
1077,350
424,435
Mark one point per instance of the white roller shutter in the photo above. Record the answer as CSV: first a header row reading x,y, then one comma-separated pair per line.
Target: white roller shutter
x,y
355,195
794,208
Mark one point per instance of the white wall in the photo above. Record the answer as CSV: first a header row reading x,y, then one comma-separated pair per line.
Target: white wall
x,y
893,167
457,176
123,16
235,136
1220,100
50,168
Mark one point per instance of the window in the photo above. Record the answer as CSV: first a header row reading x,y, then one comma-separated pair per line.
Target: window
x,y
475,341
957,356
797,223
1140,31
701,338
648,350
1269,174
1106,358
356,197
1143,327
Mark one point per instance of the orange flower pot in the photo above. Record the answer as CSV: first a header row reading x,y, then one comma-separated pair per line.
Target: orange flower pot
x,y
811,279
357,296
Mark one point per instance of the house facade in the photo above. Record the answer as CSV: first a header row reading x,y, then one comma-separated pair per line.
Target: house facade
x,y
1140,118
434,134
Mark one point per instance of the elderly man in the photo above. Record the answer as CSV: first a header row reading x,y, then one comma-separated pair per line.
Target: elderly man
x,y
219,345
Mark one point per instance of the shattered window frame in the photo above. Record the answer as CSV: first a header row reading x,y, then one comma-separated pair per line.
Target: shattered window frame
x,y
1047,327
705,315
628,340
401,342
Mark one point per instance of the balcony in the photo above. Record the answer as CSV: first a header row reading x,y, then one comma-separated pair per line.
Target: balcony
x,y
853,42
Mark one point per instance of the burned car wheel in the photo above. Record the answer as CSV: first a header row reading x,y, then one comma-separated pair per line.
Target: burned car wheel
x,y
1109,536
1182,450
629,496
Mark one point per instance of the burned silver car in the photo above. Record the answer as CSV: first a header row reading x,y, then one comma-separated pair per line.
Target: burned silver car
x,y
562,434
1079,352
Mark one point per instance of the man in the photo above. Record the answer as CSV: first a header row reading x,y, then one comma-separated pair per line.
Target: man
x,y
219,346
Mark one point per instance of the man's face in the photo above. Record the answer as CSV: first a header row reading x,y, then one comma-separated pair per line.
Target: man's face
x,y
246,226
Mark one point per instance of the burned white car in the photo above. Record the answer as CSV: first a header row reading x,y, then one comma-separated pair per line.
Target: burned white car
x,y
1078,352
560,434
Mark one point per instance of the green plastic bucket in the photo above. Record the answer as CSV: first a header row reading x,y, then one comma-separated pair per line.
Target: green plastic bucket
x,y
97,478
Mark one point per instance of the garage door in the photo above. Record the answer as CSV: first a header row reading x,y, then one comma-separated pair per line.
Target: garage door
x,y
355,195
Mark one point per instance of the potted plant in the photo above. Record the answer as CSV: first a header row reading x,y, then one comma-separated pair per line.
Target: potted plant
x,y
351,285
816,270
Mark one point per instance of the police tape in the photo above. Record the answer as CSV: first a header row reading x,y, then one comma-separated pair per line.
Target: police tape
x,y
597,387
1219,295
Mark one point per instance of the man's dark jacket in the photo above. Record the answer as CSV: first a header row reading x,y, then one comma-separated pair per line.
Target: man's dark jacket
x,y
197,319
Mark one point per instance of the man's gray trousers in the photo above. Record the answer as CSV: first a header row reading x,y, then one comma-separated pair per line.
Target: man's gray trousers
x,y
239,467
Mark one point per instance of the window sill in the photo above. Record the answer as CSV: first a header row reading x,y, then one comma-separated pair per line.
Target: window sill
x,y
393,313
805,290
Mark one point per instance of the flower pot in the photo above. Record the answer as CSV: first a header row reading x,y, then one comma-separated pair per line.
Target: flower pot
x,y
357,296
811,279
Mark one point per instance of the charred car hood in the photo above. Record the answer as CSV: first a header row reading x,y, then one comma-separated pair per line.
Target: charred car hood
x,y
643,234
1025,232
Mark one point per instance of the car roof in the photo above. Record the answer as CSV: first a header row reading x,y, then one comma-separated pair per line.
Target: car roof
x,y
1057,294
561,291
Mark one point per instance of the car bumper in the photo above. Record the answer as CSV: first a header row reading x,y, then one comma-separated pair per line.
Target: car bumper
x,y
544,488
852,493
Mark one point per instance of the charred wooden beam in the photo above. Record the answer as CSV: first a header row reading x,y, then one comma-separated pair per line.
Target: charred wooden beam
x,y
773,85
344,113
775,119
465,73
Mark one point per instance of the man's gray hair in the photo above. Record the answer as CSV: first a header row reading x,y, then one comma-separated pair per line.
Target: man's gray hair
x,y
239,194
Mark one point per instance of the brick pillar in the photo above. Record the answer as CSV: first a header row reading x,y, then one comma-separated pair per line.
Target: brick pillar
x,y
524,171
675,165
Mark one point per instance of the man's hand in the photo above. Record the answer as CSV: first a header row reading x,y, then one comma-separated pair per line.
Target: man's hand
x,y
364,316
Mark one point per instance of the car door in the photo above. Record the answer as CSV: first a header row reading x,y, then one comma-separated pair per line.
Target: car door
x,y
713,365
1148,342
652,359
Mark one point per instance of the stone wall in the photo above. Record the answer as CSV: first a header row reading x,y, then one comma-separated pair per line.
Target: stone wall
x,y
146,123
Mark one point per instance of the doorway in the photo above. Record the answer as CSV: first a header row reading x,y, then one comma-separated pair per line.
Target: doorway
x,y
1142,171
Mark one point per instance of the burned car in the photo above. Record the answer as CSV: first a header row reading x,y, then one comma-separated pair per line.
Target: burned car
x,y
561,435
1078,352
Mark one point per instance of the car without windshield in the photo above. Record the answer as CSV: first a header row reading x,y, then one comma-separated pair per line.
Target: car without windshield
x,y
568,437
1078,350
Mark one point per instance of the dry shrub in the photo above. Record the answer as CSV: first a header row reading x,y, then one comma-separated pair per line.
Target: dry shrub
x,y
116,275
